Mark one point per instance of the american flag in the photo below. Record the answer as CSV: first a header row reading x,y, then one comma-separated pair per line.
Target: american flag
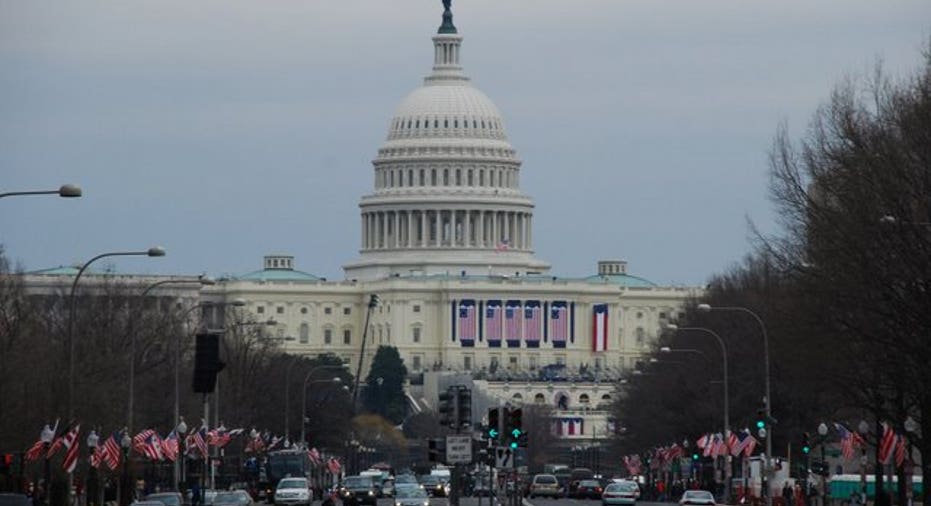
x,y
314,456
70,441
559,323
152,447
141,440
96,457
600,327
750,443
334,466
533,323
468,321
35,451
170,446
200,440
632,463
111,450
849,441
675,451
503,245
255,444
493,320
900,451
512,321
704,441
732,441
219,437
887,443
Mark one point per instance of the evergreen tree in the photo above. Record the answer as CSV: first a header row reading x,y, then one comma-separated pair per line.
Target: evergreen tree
x,y
384,392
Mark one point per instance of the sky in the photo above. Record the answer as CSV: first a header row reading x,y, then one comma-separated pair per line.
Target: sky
x,y
224,130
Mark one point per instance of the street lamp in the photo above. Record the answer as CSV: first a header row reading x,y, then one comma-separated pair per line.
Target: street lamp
x,y
863,428
178,464
46,436
823,433
155,251
767,399
727,417
200,280
92,441
335,380
66,190
128,489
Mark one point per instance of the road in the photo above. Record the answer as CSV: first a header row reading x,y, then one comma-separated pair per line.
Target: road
x,y
538,501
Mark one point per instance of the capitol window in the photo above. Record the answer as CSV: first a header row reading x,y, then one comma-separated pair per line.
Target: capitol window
x,y
415,362
481,177
327,336
305,333
280,309
433,177
470,177
260,309
539,399
347,336
458,177
640,336
416,308
421,177
303,310
327,310
416,334
467,363
347,311
445,177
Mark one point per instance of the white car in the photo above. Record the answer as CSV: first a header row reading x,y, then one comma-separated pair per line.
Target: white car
x,y
292,491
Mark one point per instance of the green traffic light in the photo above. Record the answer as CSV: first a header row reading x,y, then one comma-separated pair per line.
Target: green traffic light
x,y
806,449
513,445
516,433
694,456
493,433
760,424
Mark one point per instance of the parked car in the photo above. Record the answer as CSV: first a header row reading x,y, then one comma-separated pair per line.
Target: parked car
x,y
14,500
233,498
411,496
620,493
698,497
293,491
166,498
588,489
544,484
359,490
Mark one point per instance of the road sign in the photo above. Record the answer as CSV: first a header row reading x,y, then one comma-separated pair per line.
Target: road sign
x,y
458,449
504,458
493,433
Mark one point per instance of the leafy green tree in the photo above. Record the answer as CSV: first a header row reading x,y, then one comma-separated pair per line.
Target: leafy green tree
x,y
384,392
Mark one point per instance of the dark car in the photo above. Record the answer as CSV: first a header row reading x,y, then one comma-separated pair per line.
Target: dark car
x,y
359,490
166,498
14,500
575,476
588,489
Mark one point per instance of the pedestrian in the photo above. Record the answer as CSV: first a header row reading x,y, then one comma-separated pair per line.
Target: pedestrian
x,y
787,494
195,494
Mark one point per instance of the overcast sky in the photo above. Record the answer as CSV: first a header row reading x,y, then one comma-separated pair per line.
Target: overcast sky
x,y
225,130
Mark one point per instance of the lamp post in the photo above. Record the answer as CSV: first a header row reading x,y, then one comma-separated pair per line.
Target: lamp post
x,y
155,251
91,490
66,190
46,436
178,464
335,380
767,399
202,281
863,428
823,432
128,491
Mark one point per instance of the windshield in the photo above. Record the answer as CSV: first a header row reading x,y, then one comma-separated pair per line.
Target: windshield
x,y
405,478
545,479
293,483
589,483
280,466
411,492
621,487
166,499
698,494
229,497
429,480
358,481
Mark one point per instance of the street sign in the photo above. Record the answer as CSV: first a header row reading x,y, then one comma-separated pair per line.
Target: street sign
x,y
504,458
458,449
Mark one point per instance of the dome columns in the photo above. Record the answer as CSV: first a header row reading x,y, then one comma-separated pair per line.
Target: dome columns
x,y
455,228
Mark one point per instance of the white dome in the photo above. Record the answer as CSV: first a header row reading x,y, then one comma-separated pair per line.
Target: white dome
x,y
445,108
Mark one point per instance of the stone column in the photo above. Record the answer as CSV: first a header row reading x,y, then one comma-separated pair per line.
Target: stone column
x,y
397,229
480,233
410,229
384,229
494,229
423,228
468,228
438,241
530,232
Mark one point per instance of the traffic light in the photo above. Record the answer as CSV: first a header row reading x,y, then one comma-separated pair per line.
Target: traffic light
x,y
494,423
433,450
761,419
806,443
515,427
206,363
694,456
447,408
463,408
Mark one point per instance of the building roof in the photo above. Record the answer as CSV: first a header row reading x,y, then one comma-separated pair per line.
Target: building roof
x,y
625,280
278,275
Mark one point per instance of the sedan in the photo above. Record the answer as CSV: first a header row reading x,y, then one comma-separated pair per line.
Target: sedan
x,y
411,496
625,492
233,498
700,497
166,498
588,489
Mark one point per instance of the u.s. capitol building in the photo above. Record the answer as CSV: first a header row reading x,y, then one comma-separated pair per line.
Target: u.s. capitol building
x,y
447,244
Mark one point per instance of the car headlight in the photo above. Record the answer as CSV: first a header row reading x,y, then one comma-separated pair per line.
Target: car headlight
x,y
397,504
426,503
371,492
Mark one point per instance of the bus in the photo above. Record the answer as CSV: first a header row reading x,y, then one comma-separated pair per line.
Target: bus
x,y
284,464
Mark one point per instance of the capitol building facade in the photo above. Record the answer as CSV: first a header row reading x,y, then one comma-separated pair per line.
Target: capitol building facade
x,y
447,244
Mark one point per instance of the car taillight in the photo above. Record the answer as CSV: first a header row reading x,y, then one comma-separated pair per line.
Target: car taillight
x,y
597,489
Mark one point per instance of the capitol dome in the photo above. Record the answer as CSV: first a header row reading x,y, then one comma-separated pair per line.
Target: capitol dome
x,y
447,193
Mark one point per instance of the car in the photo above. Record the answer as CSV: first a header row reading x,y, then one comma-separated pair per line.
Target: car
x,y
402,479
387,488
434,485
702,497
146,503
233,498
620,492
544,484
359,490
166,498
411,496
588,489
293,491
14,500
575,476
